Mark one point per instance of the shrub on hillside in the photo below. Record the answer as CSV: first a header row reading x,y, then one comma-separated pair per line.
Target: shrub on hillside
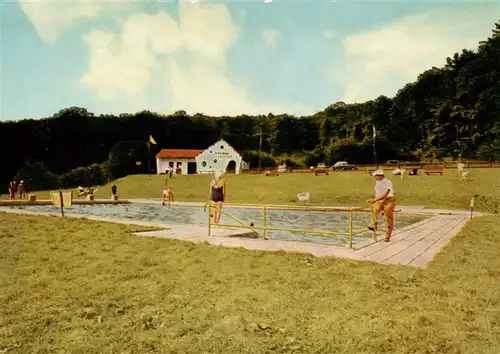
x,y
489,151
252,157
123,156
348,150
291,161
92,175
36,176
314,157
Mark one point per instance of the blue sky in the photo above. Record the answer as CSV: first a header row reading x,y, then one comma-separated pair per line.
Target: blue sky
x,y
223,57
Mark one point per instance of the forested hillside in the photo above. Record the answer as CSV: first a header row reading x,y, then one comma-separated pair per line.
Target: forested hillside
x,y
446,111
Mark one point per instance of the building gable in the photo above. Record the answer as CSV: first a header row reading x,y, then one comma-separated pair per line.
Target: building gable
x,y
217,157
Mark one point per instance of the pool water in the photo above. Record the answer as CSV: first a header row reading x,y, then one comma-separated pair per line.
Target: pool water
x,y
297,219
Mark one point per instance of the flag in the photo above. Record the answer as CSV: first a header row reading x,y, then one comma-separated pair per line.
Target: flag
x,y
374,132
151,140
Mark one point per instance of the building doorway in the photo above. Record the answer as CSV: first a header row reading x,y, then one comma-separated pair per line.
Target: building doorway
x,y
191,168
231,167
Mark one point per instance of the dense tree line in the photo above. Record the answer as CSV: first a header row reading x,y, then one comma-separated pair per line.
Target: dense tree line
x,y
446,112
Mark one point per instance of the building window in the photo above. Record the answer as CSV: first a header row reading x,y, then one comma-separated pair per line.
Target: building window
x,y
215,160
222,147
203,164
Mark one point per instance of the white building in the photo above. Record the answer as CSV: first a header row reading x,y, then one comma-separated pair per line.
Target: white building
x,y
181,161
220,157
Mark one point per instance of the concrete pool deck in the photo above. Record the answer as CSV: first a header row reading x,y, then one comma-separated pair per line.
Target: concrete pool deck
x,y
415,245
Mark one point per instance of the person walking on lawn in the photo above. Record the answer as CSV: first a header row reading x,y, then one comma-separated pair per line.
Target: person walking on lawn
x,y
384,203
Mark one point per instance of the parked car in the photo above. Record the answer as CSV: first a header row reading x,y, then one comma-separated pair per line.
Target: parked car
x,y
282,168
344,166
392,162
321,165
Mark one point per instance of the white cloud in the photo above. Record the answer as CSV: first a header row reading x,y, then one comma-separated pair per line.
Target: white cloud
x,y
271,36
184,60
330,34
155,61
51,17
383,60
123,64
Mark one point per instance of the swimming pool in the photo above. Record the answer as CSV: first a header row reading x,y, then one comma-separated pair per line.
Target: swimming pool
x,y
297,219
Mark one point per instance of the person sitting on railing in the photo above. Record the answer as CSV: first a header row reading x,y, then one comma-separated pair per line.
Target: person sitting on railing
x,y
83,192
218,192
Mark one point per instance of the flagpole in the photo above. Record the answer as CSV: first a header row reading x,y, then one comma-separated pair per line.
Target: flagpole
x,y
374,146
149,159
260,146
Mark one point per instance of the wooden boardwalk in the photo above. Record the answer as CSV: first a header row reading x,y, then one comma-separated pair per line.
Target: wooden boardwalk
x,y
415,246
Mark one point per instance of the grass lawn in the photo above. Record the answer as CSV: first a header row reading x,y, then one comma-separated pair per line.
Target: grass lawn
x,y
340,188
78,286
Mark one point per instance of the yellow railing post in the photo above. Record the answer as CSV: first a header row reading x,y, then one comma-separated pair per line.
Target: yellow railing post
x,y
374,234
350,229
264,217
209,218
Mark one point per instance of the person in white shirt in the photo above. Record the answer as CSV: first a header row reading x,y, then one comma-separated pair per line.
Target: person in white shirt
x,y
169,171
384,202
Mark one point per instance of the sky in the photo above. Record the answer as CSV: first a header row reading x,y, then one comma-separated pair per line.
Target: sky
x,y
223,57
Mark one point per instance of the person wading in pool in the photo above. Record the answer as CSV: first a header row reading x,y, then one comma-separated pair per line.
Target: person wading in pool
x,y
384,202
217,195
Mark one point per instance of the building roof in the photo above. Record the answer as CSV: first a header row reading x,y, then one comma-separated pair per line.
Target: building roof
x,y
178,154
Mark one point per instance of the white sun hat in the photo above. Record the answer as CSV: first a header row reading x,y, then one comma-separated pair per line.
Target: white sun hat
x,y
218,174
378,173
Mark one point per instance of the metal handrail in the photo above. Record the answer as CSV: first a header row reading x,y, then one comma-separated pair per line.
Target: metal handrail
x,y
294,207
265,207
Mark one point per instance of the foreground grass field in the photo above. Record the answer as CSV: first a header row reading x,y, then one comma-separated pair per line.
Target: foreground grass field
x,y
76,286
341,188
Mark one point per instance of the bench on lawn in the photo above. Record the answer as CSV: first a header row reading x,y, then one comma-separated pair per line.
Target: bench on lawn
x,y
412,172
321,170
272,173
434,170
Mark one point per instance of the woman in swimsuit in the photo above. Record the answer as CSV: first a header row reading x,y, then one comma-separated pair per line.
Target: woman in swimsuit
x,y
217,195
